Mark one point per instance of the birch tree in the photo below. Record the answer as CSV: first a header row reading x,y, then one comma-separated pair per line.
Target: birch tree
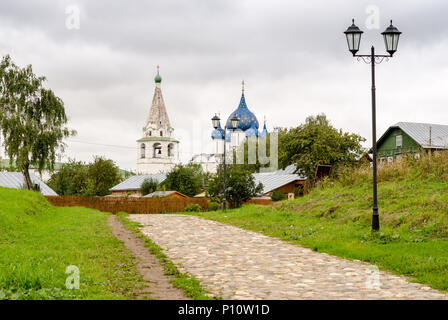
x,y
32,119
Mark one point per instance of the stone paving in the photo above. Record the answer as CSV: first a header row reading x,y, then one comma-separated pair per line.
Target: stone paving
x,y
237,264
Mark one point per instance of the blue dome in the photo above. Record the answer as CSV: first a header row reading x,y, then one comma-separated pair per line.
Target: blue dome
x,y
228,137
247,118
263,133
252,131
218,133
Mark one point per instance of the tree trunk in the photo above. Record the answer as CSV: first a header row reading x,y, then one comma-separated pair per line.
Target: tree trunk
x,y
26,176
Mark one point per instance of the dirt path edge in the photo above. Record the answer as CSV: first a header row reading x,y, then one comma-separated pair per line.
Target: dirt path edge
x,y
158,284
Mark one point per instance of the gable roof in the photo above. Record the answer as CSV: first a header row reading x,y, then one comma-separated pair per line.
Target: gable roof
x,y
15,180
419,132
134,182
162,194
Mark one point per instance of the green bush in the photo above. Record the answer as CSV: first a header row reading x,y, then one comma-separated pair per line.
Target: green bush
x,y
213,206
193,208
278,196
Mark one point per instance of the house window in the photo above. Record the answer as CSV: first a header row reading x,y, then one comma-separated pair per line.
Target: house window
x,y
161,133
399,141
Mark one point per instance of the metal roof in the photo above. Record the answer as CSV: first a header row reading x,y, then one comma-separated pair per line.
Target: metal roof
x,y
134,182
15,180
273,180
290,170
420,133
161,194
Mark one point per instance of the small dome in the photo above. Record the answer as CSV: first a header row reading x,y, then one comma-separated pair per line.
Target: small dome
x,y
158,78
263,133
228,137
252,131
218,133
247,118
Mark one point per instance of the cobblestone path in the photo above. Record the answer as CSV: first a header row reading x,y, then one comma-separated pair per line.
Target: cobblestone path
x,y
237,264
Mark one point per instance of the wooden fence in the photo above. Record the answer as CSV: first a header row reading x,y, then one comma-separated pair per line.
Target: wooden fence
x,y
129,205
263,202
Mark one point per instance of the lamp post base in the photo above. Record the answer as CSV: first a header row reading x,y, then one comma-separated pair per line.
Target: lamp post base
x,y
375,220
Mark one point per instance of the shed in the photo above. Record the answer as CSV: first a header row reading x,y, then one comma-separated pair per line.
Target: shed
x,y
281,182
16,180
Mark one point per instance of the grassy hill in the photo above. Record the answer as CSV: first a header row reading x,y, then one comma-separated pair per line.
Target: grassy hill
x,y
38,242
335,218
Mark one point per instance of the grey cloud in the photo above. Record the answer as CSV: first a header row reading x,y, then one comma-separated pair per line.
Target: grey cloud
x,y
292,55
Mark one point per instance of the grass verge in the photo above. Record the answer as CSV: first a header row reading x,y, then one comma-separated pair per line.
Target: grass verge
x,y
38,242
189,284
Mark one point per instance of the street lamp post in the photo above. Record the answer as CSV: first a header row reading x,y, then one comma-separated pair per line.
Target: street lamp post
x,y
234,121
391,36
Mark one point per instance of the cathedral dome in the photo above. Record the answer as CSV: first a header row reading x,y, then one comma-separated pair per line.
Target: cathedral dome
x,y
247,118
218,133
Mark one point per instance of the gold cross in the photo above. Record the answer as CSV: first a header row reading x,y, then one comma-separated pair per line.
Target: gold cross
x,y
242,83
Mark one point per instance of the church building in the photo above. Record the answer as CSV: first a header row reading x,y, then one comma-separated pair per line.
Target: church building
x,y
248,127
158,151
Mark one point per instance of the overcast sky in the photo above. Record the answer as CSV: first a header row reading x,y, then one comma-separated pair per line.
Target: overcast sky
x,y
292,55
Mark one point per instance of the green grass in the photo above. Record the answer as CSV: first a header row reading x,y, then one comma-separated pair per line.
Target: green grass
x,y
189,284
38,242
335,218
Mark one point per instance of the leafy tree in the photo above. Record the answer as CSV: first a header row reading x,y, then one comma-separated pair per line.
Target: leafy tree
x,y
32,119
186,179
317,142
148,186
71,179
240,185
80,179
103,175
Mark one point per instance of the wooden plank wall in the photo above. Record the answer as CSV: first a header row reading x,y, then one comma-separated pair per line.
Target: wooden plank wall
x,y
129,205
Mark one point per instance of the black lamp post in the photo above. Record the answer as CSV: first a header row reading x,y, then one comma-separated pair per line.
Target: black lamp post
x,y
391,36
234,121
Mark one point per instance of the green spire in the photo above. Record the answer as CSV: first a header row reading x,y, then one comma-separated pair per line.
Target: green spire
x,y
158,78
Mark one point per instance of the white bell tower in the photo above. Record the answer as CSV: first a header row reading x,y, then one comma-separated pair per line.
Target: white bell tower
x,y
157,150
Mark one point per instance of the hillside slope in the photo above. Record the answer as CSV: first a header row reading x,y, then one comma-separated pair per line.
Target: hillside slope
x,y
336,217
38,242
